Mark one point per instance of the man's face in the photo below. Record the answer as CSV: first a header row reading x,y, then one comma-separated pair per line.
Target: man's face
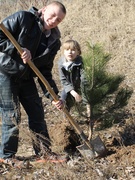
x,y
52,16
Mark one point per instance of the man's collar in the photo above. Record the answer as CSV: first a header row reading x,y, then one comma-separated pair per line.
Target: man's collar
x,y
47,33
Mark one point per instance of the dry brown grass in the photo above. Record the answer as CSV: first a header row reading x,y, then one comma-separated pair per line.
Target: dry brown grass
x,y
111,23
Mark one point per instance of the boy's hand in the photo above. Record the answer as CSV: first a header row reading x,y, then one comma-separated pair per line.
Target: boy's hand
x,y
77,97
88,110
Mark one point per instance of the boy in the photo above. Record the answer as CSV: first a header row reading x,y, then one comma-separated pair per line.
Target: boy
x,y
72,75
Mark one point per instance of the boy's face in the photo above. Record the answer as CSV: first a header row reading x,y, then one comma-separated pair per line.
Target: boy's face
x,y
70,54
52,16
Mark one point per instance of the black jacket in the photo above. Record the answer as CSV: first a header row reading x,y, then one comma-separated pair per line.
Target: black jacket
x,y
72,75
26,27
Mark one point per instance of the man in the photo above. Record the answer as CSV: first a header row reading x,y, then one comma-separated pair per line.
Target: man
x,y
37,33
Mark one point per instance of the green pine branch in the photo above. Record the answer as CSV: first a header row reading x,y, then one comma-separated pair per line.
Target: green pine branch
x,y
102,89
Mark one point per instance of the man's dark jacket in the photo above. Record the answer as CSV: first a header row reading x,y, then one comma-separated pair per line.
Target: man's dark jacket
x,y
26,27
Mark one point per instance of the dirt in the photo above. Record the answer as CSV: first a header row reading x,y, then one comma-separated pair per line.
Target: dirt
x,y
110,23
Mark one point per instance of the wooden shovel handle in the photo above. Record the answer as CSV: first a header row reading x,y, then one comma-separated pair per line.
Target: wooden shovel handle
x,y
47,85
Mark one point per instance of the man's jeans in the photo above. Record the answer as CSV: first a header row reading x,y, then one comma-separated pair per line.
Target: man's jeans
x,y
13,93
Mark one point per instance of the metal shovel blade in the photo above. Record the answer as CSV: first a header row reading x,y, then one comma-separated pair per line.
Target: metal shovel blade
x,y
98,146
86,152
99,149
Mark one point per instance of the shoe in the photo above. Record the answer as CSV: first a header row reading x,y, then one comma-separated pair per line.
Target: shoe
x,y
54,158
14,162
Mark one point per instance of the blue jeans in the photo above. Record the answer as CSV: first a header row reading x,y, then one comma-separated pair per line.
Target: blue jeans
x,y
12,93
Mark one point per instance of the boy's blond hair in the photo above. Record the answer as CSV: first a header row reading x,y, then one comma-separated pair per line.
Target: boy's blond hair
x,y
72,44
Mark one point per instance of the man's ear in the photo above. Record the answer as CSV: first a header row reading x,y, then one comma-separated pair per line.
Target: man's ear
x,y
44,9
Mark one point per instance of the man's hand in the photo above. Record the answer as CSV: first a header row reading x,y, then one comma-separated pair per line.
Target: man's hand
x,y
58,104
26,55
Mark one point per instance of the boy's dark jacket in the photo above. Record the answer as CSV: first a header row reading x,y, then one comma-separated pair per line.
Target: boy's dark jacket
x,y
26,27
73,78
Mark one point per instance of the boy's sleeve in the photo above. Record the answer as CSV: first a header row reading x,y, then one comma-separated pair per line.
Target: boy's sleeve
x,y
64,82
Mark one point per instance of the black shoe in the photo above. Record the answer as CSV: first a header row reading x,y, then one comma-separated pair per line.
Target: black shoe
x,y
14,162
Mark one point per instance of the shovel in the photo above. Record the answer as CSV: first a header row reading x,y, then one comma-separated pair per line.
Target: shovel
x,y
96,144
89,149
